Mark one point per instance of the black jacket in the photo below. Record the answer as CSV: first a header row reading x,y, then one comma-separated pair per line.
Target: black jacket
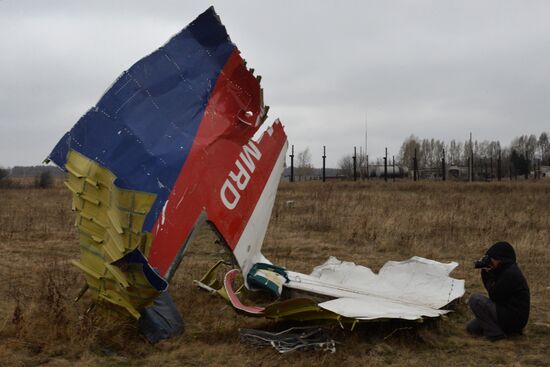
x,y
508,288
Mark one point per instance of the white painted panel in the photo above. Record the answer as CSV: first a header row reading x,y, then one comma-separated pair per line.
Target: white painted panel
x,y
249,247
408,289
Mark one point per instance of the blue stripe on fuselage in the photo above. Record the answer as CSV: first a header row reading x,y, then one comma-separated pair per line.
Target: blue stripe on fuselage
x,y
144,126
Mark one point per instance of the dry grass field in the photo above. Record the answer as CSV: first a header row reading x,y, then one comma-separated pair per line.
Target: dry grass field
x,y
365,222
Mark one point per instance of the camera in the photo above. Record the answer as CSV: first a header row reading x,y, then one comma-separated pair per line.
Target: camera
x,y
484,262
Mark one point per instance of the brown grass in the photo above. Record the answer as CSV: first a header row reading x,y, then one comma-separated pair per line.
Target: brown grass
x,y
365,222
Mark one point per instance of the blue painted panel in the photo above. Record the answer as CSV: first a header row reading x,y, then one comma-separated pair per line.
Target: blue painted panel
x,y
144,126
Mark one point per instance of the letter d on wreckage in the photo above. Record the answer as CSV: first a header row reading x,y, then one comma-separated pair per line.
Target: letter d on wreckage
x,y
242,177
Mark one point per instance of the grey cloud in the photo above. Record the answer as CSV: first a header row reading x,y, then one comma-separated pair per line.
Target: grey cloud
x,y
434,68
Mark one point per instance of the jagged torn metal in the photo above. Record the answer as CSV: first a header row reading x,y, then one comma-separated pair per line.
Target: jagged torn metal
x,y
168,147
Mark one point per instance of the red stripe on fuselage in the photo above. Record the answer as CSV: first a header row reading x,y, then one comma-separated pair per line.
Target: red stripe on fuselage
x,y
217,147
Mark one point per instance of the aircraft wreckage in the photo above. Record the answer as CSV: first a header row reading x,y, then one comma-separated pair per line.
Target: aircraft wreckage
x,y
169,147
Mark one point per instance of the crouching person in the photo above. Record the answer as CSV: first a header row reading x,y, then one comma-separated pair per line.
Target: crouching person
x,y
506,310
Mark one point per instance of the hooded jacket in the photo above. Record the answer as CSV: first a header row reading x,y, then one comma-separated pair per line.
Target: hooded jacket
x,y
507,288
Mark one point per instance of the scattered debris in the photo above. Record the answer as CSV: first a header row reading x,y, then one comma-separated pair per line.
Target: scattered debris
x,y
170,147
295,338
343,291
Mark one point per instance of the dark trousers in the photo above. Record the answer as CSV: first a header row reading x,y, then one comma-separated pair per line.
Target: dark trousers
x,y
485,322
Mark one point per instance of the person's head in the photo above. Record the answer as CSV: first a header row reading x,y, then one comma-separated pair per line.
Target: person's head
x,y
501,253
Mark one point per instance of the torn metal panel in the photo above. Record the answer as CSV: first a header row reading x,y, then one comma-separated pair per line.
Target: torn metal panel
x,y
237,191
167,147
409,289
111,243
299,309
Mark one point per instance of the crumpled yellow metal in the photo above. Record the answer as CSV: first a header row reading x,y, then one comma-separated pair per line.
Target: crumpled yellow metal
x,y
110,221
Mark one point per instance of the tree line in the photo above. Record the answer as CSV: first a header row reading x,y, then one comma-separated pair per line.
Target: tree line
x,y
523,155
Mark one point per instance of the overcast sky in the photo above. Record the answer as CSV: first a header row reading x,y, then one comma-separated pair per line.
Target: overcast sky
x,y
431,68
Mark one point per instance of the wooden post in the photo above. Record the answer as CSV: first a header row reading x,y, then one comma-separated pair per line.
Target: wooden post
x,y
368,167
443,167
415,166
469,169
499,166
292,165
354,163
386,166
324,158
472,162
393,167
528,166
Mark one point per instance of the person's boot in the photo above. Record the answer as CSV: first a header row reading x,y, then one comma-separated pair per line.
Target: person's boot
x,y
494,338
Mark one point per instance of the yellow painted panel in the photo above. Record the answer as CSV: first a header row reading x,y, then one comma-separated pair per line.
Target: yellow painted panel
x,y
110,221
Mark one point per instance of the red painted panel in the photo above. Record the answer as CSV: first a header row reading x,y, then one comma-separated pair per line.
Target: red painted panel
x,y
229,122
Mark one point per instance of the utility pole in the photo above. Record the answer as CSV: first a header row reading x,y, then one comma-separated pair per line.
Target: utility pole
x,y
444,169
469,169
368,174
499,166
528,164
471,178
415,166
360,162
386,166
354,163
292,165
324,158
366,146
393,167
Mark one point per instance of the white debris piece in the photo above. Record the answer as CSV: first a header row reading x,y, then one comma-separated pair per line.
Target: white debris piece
x,y
409,289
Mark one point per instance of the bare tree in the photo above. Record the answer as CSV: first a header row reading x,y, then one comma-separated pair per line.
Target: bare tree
x,y
406,153
345,165
525,145
455,154
544,147
304,167
3,173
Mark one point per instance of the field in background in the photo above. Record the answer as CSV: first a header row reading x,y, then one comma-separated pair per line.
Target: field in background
x,y
365,222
